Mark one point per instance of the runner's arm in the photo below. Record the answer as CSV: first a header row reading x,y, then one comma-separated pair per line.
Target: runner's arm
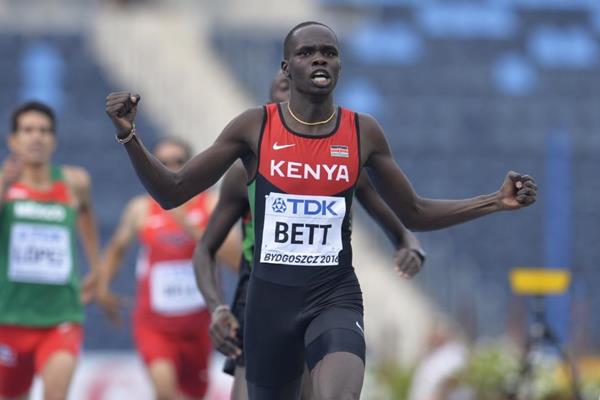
x,y
232,204
86,220
81,185
410,255
171,189
229,252
9,173
419,213
3,189
112,257
381,213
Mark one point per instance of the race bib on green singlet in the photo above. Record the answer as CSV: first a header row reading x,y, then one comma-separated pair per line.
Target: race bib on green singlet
x,y
302,230
39,253
173,289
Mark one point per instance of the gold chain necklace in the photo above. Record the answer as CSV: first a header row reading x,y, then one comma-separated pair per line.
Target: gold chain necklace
x,y
310,123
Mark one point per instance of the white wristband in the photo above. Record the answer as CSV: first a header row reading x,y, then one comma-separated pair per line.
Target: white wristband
x,y
128,138
221,307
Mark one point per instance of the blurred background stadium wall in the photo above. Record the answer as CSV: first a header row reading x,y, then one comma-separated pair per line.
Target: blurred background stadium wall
x,y
465,90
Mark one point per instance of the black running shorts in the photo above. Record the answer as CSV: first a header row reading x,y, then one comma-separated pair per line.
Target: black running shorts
x,y
297,316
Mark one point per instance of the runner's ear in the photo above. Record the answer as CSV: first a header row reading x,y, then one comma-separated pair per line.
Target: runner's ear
x,y
285,69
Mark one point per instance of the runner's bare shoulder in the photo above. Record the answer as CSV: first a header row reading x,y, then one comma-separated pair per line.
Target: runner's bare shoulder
x,y
137,209
76,177
247,125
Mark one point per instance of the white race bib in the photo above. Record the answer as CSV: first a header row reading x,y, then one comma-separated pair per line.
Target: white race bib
x,y
302,230
39,253
173,289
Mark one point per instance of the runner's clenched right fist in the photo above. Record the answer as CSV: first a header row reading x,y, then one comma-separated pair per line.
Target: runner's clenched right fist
x,y
121,107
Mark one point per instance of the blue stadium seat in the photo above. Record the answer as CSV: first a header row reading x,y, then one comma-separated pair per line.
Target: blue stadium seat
x,y
390,44
360,95
514,75
467,20
550,4
571,47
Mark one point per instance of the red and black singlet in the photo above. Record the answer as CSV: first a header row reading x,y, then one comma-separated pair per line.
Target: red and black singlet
x,y
302,194
167,296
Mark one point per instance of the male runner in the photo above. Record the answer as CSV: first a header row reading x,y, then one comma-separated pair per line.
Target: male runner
x,y
304,158
170,320
227,325
40,299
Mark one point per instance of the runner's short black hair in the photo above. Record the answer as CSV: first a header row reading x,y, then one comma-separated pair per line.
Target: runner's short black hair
x,y
288,37
31,106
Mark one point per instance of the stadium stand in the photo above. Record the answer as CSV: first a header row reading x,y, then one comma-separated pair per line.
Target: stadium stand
x,y
456,87
59,70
